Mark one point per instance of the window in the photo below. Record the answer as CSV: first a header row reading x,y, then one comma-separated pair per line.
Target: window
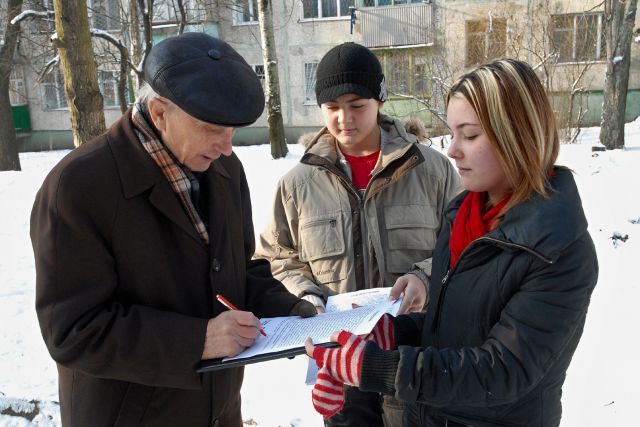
x,y
54,97
326,8
376,3
486,40
17,93
105,14
396,64
310,82
578,37
245,12
108,82
259,69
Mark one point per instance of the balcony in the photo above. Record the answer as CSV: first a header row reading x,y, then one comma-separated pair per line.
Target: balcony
x,y
396,26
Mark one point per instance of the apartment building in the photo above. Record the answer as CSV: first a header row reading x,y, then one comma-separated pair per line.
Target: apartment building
x,y
422,46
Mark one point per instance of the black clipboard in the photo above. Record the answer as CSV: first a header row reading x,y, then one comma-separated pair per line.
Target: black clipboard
x,y
209,365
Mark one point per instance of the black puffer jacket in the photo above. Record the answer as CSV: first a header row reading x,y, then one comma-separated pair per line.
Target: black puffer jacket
x,y
502,325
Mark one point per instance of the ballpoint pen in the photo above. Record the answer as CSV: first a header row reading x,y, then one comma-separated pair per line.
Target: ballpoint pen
x,y
230,306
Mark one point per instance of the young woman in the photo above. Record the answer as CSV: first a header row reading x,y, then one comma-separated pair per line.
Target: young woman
x,y
362,209
513,272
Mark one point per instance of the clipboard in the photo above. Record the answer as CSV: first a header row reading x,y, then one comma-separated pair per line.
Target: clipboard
x,y
285,336
209,365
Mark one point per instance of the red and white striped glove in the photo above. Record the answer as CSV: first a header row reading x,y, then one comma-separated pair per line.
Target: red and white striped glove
x,y
327,394
343,363
337,367
382,333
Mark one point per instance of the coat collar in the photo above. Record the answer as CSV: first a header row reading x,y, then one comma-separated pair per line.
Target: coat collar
x,y
394,145
546,225
139,174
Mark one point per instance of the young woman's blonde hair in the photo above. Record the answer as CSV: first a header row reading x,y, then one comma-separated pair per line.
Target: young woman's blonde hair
x,y
516,115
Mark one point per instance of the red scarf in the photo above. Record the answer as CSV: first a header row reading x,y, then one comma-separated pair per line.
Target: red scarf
x,y
470,223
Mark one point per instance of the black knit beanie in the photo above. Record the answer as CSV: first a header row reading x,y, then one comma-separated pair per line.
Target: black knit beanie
x,y
350,68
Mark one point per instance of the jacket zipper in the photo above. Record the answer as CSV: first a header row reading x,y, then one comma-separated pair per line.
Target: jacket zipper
x,y
450,271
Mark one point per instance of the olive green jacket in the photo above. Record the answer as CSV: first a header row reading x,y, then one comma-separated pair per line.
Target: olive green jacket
x,y
325,237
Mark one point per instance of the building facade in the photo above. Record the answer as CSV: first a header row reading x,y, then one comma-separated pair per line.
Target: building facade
x,y
422,45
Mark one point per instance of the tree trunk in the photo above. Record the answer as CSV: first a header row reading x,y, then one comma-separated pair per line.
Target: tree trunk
x,y
9,158
80,77
272,85
147,22
620,17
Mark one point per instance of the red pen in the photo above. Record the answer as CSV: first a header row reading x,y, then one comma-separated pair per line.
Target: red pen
x,y
230,306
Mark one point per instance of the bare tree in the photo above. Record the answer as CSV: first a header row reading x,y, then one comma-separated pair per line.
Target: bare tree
x,y
272,85
620,16
73,41
9,158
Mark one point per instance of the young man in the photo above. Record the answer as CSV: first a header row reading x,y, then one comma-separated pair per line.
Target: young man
x,y
361,210
134,234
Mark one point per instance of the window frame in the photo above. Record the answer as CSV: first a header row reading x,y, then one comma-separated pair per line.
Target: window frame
x,y
17,88
260,72
309,70
238,12
599,50
376,3
55,81
320,8
114,87
392,66
486,38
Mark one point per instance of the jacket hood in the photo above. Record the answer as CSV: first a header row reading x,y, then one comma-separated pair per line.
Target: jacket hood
x,y
546,225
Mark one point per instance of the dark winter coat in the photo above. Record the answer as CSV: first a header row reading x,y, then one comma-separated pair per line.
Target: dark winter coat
x,y
502,325
125,286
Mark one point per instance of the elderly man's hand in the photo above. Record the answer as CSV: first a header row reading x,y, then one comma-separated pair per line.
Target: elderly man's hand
x,y
229,333
415,293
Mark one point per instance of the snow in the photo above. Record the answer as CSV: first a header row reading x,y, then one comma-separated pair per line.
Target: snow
x,y
601,385
105,35
31,14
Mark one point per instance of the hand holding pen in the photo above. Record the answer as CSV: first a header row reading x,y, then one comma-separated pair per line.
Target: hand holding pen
x,y
229,333
230,306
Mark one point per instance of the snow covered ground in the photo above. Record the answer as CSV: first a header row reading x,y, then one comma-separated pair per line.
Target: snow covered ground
x,y
602,382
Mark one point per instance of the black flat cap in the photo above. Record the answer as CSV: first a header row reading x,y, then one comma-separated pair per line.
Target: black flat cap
x,y
206,78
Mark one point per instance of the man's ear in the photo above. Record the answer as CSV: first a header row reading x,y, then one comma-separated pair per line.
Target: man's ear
x,y
158,108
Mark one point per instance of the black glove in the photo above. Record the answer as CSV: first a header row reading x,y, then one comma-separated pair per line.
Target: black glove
x,y
303,308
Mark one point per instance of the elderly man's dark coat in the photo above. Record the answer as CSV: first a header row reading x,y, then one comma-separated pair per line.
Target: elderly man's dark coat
x,y
125,285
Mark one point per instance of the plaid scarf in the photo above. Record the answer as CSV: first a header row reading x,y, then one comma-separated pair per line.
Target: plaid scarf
x,y
182,180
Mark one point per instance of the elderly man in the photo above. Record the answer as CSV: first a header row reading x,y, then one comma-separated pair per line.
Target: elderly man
x,y
135,233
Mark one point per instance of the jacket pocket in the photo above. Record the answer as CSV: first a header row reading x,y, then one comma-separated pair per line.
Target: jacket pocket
x,y
322,246
411,235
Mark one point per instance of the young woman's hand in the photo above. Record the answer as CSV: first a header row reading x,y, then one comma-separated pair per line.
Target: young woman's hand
x,y
415,293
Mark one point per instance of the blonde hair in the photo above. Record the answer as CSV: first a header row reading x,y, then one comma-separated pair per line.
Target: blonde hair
x,y
516,115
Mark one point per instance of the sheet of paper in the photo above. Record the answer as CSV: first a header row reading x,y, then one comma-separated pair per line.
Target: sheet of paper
x,y
372,296
284,333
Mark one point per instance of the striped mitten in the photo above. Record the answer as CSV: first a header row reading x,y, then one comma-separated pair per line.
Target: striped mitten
x,y
343,363
327,394
382,333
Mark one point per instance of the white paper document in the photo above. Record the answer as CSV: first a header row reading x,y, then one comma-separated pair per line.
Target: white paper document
x,y
284,333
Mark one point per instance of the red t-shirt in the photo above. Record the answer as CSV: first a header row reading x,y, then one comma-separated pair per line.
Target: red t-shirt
x,y
361,167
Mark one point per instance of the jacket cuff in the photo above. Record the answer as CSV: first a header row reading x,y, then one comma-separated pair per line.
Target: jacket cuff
x,y
379,369
314,299
405,331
